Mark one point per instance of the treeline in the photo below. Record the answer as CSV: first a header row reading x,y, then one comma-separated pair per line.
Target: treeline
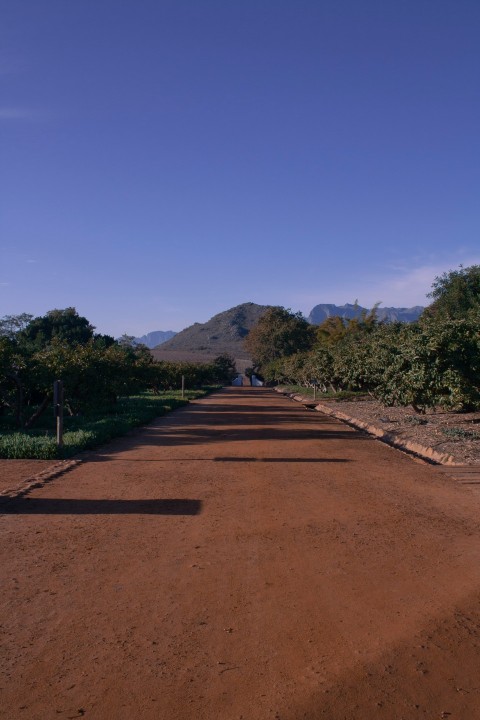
x,y
434,362
95,369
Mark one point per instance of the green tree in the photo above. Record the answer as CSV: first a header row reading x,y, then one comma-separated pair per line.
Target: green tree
x,y
334,328
224,369
65,325
127,340
278,333
11,386
455,294
331,330
11,325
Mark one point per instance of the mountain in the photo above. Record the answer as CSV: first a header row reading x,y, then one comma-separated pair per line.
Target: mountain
x,y
157,337
223,333
390,314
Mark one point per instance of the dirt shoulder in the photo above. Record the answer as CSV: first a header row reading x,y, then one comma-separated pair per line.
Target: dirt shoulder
x,y
242,557
449,434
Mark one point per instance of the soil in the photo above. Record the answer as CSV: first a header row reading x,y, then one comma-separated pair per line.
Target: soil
x,y
434,429
15,472
242,558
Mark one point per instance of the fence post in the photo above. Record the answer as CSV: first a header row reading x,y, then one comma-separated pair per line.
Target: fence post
x,y
58,409
183,386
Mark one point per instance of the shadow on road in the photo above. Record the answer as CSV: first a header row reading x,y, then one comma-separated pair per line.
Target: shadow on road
x,y
54,506
186,435
161,461
281,460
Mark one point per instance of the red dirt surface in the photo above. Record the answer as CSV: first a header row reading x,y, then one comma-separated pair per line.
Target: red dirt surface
x,y
13,472
242,558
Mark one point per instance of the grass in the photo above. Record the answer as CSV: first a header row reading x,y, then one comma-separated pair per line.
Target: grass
x,y
308,392
415,420
95,427
461,434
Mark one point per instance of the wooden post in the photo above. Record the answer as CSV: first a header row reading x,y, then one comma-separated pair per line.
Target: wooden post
x,y
314,391
183,386
58,409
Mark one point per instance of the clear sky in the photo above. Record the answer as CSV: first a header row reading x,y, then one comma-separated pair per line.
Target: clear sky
x,y
164,160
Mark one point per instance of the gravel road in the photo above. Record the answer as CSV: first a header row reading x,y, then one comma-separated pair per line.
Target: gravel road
x,y
242,558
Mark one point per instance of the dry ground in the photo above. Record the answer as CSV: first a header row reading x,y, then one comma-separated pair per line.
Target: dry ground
x,y
242,558
434,429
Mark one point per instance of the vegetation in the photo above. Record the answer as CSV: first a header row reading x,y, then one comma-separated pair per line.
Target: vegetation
x,y
95,427
456,294
109,386
432,362
279,333
461,434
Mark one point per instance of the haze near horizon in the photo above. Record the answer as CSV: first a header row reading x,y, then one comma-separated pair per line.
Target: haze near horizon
x,y
165,161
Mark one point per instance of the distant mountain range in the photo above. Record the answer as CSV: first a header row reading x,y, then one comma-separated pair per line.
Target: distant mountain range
x,y
157,337
390,314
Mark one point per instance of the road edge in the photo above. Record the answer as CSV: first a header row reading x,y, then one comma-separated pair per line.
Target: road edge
x,y
411,448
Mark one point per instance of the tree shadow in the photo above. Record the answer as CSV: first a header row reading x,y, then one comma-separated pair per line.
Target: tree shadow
x,y
77,506
215,433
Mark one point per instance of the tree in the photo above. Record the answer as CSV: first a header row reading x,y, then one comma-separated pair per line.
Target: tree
x,y
10,325
65,325
91,374
428,364
127,341
278,333
455,294
224,368
11,387
331,330
334,329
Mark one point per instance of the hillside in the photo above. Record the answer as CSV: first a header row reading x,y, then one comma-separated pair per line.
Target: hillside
x,y
223,333
348,311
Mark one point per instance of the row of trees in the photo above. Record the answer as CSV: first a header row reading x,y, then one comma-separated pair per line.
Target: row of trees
x,y
433,362
94,368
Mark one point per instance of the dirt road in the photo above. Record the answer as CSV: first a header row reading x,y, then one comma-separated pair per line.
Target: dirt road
x,y
242,558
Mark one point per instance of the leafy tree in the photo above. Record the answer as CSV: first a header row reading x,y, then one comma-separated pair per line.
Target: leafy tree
x,y
127,340
224,369
90,373
455,294
11,387
331,330
428,364
321,369
103,341
11,325
278,333
65,325
335,328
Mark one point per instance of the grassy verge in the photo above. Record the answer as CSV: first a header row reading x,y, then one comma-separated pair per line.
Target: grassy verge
x,y
330,395
93,428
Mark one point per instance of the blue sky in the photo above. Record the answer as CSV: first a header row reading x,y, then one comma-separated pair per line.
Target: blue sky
x,y
164,160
